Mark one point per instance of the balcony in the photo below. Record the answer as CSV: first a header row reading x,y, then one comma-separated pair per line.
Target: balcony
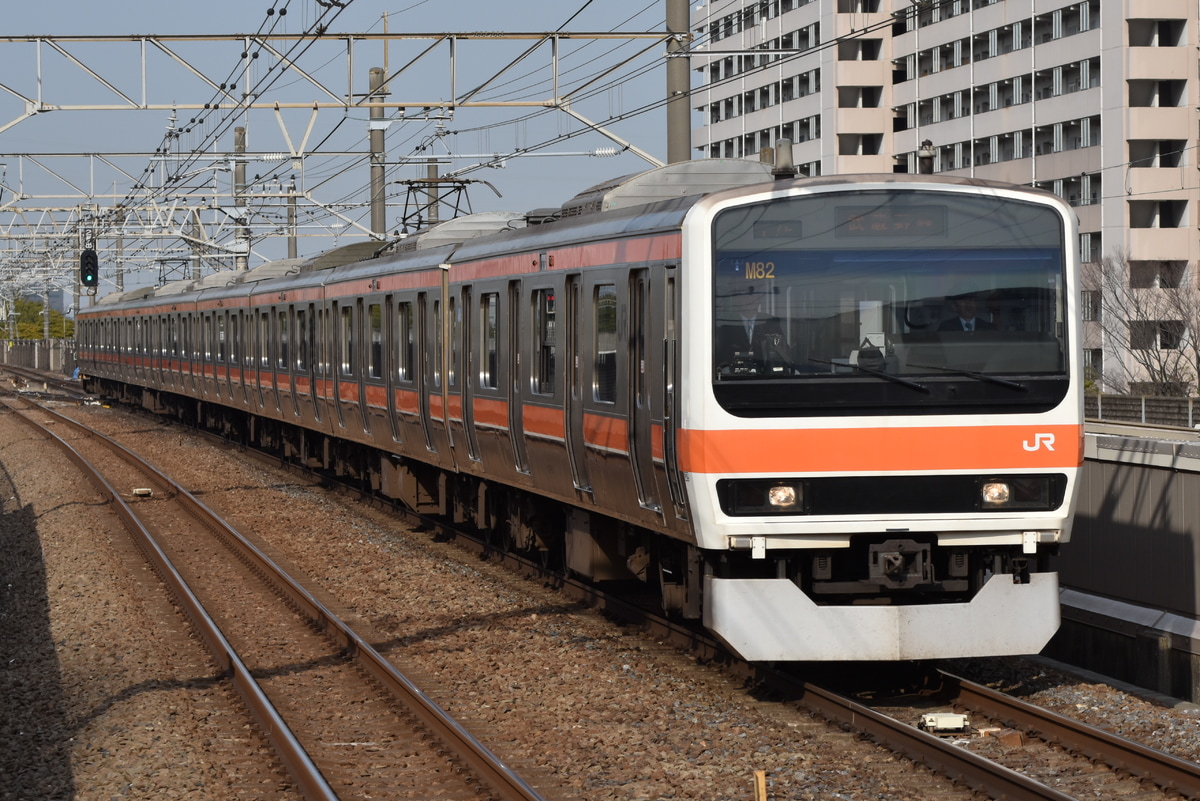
x,y
1165,183
1159,9
863,73
1158,123
1159,63
1164,244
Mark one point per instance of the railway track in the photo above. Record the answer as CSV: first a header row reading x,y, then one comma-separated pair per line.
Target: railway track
x,y
998,771
1010,749
343,721
1127,768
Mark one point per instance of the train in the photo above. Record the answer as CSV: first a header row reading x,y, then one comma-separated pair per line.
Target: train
x,y
755,394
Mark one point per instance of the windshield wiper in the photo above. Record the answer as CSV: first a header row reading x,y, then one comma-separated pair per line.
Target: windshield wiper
x,y
877,373
1004,382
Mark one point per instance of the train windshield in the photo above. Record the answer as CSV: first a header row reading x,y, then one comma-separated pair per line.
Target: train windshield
x,y
890,301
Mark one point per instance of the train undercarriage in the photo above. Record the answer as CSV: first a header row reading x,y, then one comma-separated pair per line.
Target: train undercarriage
x,y
875,570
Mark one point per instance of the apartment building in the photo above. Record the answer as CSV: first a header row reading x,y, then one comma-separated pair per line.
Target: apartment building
x,y
1095,100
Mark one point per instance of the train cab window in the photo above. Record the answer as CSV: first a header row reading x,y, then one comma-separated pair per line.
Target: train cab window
x,y
404,341
346,340
489,309
604,344
543,342
281,359
375,320
889,301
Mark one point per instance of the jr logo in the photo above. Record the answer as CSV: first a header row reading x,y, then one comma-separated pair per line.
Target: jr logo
x,y
1039,441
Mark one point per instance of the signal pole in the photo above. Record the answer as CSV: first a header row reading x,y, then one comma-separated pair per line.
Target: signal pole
x,y
378,126
241,259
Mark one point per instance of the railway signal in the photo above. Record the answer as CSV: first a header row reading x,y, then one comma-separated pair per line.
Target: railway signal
x,y
89,268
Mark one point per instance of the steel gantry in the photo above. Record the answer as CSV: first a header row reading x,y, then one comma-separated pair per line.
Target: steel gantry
x,y
188,205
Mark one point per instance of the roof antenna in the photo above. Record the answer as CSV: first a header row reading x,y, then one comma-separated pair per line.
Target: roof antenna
x,y
785,169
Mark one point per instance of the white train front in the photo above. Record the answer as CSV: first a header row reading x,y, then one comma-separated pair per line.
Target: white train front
x,y
834,418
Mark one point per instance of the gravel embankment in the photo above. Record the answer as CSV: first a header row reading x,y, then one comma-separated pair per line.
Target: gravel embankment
x,y
552,688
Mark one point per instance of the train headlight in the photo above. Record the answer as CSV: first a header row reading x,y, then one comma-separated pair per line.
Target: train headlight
x,y
1014,493
995,493
783,496
761,496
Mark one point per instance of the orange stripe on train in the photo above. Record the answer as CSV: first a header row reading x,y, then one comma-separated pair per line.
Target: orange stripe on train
x,y
983,449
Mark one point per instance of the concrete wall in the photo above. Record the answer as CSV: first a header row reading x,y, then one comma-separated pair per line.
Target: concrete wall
x,y
54,355
1131,597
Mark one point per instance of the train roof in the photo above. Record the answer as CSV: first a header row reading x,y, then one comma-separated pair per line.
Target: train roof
x,y
653,200
681,179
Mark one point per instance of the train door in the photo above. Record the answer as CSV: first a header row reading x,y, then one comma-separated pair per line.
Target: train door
x,y
302,382
342,360
195,347
258,355
393,329
208,372
641,389
467,354
319,337
367,319
427,372
233,352
224,355
573,396
670,392
516,369
287,357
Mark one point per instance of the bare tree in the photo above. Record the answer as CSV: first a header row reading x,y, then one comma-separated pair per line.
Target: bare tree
x,y
1145,317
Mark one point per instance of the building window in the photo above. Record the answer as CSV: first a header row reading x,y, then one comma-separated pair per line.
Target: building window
x,y
1155,334
1156,274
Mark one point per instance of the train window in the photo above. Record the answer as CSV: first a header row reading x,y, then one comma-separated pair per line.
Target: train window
x,y
375,316
437,345
222,324
235,341
489,309
604,344
404,341
264,339
281,358
321,354
543,342
455,338
346,340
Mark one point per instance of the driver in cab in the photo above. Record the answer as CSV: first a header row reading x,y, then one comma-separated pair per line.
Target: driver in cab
x,y
748,336
965,317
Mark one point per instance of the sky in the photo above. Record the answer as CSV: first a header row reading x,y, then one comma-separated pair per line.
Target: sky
x,y
462,142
